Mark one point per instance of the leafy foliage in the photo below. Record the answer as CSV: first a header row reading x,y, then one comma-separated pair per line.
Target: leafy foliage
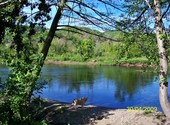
x,y
86,48
138,45
19,51
21,82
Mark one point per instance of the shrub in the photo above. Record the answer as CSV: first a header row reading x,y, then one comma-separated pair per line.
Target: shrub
x,y
86,49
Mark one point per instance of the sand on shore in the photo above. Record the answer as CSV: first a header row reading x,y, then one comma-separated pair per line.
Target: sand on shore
x,y
58,113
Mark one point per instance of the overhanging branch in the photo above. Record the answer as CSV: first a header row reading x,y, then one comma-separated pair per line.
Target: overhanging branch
x,y
5,2
85,31
110,4
69,30
166,10
139,16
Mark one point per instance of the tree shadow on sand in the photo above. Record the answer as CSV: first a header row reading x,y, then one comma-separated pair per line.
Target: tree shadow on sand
x,y
58,113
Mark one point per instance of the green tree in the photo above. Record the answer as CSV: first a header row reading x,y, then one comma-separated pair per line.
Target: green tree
x,y
86,48
148,12
19,51
138,44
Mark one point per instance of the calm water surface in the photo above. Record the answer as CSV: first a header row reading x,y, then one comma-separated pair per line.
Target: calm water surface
x,y
108,86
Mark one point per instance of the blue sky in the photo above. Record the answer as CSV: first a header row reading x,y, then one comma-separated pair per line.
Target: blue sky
x,y
100,7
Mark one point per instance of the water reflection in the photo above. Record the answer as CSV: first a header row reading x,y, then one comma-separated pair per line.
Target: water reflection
x,y
115,87
127,80
108,86
70,77
76,77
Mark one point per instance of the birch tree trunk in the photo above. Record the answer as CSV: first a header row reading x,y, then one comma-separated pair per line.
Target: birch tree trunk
x,y
163,89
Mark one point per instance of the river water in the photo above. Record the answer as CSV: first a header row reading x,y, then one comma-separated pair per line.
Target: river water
x,y
107,86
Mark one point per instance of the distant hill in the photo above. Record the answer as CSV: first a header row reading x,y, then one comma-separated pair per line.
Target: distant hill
x,y
85,32
114,34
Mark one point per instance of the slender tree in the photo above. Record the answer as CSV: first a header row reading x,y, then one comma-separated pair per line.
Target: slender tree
x,y
152,12
52,30
163,89
161,38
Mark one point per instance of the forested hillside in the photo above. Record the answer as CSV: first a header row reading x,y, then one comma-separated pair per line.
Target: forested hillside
x,y
111,47
80,44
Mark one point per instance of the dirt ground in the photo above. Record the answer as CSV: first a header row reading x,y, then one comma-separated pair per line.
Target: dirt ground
x,y
58,113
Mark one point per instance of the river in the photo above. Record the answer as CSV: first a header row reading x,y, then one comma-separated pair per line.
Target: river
x,y
107,86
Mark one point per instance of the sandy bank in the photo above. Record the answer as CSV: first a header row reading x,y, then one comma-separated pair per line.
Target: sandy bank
x,y
58,113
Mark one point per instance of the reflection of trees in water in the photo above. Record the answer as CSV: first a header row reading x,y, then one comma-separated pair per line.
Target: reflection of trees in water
x,y
127,80
76,78
73,77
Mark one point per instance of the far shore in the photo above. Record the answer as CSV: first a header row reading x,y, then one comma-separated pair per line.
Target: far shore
x,y
94,62
60,113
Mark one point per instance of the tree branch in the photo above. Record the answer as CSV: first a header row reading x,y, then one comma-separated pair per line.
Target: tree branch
x,y
85,31
69,30
166,10
139,16
83,17
5,2
148,4
100,14
105,2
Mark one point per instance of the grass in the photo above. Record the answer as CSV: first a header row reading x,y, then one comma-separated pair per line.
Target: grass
x,y
99,60
134,60
65,57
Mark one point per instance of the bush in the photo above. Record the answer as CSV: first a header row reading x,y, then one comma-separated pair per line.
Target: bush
x,y
86,49
16,92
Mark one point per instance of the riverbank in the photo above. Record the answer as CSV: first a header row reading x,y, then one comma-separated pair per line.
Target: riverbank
x,y
94,62
131,63
59,113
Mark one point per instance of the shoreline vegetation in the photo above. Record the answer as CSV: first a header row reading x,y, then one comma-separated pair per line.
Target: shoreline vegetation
x,y
55,112
85,49
94,62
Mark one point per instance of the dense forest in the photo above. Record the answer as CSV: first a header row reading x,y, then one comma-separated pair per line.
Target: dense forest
x,y
105,48
110,47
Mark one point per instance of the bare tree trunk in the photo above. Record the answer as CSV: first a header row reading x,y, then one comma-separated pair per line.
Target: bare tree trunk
x,y
52,30
50,37
163,90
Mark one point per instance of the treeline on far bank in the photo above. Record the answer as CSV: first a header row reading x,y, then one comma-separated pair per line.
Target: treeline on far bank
x,y
111,47
136,47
